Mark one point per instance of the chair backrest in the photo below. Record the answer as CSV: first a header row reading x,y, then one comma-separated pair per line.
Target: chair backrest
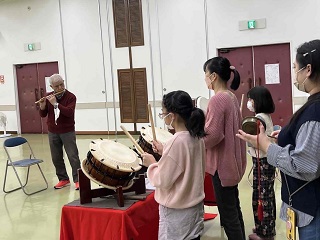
x,y
14,141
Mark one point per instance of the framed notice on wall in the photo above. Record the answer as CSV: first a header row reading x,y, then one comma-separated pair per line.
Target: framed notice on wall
x,y
272,73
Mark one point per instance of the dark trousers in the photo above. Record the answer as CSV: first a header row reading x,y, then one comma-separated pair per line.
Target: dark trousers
x,y
229,209
68,141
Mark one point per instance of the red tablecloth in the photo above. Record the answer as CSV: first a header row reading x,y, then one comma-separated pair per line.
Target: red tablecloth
x,y
140,221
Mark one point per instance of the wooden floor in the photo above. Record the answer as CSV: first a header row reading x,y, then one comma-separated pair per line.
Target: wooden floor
x,y
37,217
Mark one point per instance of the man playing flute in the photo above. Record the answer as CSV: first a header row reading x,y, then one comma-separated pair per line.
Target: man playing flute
x,y
59,106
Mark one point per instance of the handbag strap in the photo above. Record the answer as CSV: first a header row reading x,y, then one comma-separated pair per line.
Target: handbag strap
x,y
291,194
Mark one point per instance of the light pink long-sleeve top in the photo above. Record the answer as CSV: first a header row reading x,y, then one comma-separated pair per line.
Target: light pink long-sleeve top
x,y
226,153
179,174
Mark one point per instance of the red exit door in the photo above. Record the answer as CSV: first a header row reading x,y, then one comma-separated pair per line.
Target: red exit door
x,y
251,63
282,91
31,87
241,59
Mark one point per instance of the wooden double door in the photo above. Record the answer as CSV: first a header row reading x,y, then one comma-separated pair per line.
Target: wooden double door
x,y
251,63
31,84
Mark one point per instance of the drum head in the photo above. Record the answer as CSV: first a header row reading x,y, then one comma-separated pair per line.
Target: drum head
x,y
85,171
162,135
202,103
115,155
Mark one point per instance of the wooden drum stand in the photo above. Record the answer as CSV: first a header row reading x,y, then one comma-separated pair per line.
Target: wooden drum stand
x,y
86,193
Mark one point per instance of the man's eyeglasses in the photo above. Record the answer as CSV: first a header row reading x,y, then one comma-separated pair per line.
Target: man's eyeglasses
x,y
163,115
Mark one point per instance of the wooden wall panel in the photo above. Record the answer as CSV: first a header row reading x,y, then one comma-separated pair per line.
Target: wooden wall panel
x,y
126,96
128,23
133,95
136,24
120,23
141,95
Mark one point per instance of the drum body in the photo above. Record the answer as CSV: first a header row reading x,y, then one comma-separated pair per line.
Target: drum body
x,y
250,125
111,164
145,139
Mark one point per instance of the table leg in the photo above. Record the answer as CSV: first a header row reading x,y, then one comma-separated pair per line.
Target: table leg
x,y
85,188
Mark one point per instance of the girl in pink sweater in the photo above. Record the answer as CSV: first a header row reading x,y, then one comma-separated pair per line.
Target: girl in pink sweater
x,y
226,156
179,175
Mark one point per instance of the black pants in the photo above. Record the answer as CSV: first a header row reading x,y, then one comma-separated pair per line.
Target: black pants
x,y
229,209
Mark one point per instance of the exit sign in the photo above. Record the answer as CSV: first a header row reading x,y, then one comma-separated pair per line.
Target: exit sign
x,y
31,47
251,24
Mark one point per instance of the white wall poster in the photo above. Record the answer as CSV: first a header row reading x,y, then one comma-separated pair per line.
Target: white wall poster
x,y
272,74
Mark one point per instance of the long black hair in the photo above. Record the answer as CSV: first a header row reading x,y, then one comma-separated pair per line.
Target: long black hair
x,y
221,66
308,53
180,102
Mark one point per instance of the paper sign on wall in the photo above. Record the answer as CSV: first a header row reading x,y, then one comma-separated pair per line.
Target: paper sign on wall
x,y
48,88
2,79
272,73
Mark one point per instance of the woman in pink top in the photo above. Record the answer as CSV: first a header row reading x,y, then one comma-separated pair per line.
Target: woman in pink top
x,y
179,175
226,156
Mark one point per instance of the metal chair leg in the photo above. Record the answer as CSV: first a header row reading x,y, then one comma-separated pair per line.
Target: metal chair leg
x,y
248,178
40,190
5,181
22,186
278,175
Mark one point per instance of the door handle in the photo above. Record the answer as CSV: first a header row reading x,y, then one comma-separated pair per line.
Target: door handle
x,y
36,93
41,92
249,83
259,81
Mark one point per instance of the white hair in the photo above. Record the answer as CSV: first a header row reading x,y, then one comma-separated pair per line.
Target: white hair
x,y
55,78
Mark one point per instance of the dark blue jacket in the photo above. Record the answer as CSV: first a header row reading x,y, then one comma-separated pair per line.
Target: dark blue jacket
x,y
306,200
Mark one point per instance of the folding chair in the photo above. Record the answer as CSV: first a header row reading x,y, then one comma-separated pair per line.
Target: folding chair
x,y
25,162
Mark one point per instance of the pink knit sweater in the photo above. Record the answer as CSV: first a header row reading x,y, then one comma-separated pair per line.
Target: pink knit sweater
x,y
225,152
179,174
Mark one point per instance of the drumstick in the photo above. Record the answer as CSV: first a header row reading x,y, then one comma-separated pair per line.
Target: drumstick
x,y
54,94
132,139
241,103
152,123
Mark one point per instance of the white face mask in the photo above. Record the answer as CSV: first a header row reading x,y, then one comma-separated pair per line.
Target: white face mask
x,y
170,127
209,81
250,106
299,86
